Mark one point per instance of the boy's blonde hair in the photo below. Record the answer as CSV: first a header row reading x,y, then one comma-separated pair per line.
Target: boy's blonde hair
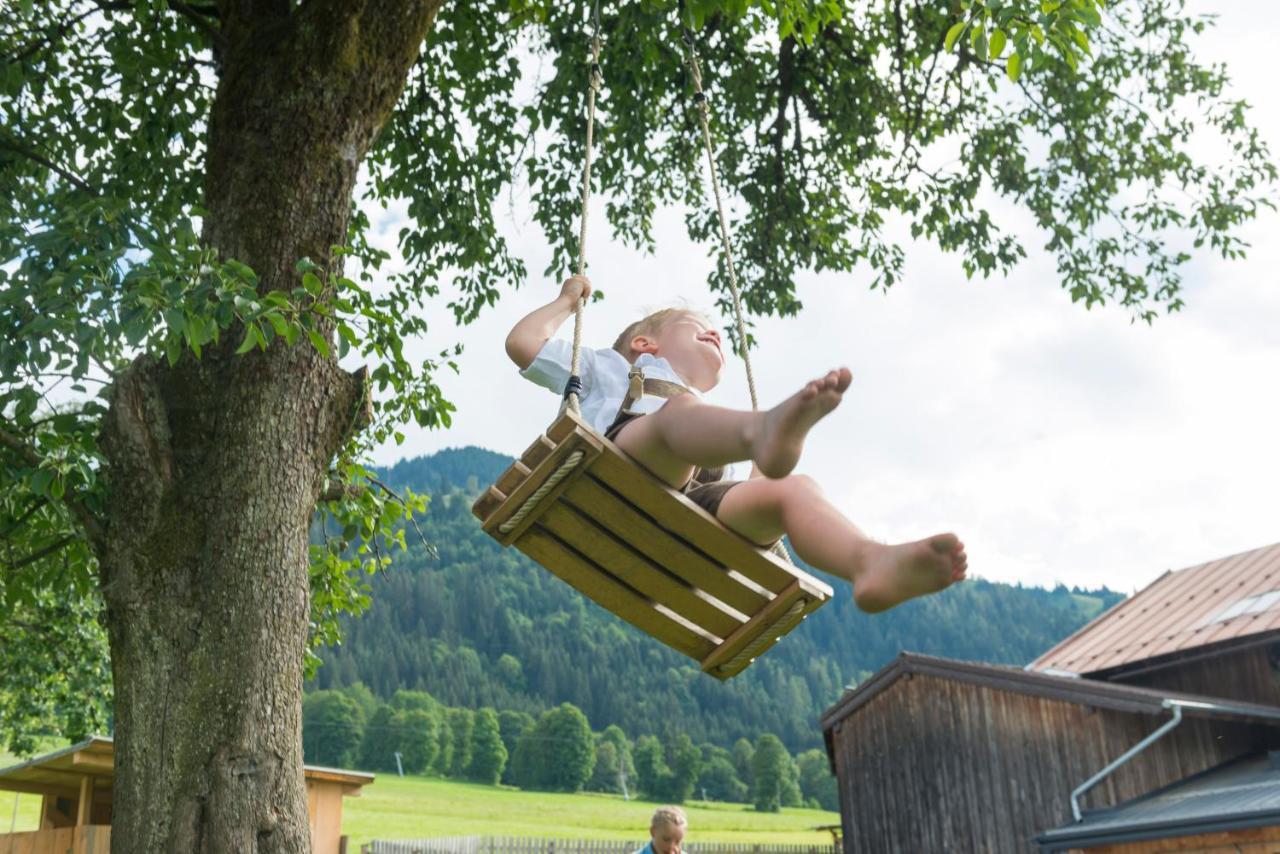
x,y
670,816
650,324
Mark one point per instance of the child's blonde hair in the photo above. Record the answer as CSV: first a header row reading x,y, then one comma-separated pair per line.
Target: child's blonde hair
x,y
651,323
670,816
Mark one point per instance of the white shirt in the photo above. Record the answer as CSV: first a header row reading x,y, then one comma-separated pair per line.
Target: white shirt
x,y
604,379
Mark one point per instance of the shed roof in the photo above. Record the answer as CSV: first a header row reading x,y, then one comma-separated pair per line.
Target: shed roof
x,y
1242,793
1089,692
62,769
1214,603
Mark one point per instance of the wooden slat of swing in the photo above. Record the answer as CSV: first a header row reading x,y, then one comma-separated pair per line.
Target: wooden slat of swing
x,y
592,581
645,552
593,541
640,532
690,522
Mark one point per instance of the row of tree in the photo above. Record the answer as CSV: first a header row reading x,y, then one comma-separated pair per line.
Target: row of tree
x,y
557,751
479,625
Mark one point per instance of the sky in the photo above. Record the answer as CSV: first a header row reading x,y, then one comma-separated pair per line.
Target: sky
x,y
1062,445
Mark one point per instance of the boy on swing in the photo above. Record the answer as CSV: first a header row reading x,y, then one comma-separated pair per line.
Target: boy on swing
x,y
686,442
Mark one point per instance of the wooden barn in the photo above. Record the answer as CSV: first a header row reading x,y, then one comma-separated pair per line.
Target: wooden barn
x,y
1209,629
75,812
935,755
998,752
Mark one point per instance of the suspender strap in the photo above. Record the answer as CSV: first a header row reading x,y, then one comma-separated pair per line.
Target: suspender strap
x,y
638,386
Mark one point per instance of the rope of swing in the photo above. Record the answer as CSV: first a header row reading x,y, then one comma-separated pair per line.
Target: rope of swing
x,y
595,82
700,98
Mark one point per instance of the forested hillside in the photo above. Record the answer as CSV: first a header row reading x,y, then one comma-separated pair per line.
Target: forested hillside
x,y
478,625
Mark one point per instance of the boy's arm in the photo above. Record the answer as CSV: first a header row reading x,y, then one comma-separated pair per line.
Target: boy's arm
x,y
527,337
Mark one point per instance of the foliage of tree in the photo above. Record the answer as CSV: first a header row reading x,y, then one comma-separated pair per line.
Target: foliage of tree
x,y
488,753
364,698
817,783
557,754
668,772
743,751
179,232
719,781
442,764
332,726
511,725
613,761
419,738
770,768
381,741
461,725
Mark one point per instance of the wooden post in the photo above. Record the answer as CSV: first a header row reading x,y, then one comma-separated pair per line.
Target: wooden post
x,y
86,799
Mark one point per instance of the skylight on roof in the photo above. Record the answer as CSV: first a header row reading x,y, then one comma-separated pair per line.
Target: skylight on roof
x,y
1255,604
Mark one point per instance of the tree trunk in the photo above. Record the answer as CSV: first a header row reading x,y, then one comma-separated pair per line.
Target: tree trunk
x,y
215,464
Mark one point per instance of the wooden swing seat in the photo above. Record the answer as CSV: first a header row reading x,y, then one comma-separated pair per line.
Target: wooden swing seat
x,y
579,506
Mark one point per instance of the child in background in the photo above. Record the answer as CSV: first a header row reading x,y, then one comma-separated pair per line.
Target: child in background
x,y
685,441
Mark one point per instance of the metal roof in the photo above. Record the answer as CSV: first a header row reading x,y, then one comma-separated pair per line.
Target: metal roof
x,y
1241,793
95,756
1211,604
1090,692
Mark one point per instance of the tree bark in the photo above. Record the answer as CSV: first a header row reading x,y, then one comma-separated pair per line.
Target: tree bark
x,y
215,465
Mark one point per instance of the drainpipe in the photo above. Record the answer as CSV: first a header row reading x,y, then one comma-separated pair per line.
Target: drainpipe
x,y
1168,726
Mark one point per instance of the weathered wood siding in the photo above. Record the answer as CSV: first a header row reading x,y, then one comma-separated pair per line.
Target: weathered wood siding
x,y
1245,675
932,765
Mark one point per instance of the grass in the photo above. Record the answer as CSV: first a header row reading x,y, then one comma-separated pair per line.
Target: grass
x,y
27,816
416,807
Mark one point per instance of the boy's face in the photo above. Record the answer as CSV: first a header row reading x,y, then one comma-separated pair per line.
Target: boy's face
x,y
692,347
667,839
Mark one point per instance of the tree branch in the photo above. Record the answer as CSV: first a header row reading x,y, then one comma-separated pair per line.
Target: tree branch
x,y
201,22
11,143
88,521
40,553
21,520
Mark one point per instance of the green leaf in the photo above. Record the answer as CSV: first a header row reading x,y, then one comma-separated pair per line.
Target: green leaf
x,y
997,43
317,341
954,33
1013,67
250,340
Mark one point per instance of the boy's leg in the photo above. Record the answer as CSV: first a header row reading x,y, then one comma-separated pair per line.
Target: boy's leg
x,y
764,509
686,433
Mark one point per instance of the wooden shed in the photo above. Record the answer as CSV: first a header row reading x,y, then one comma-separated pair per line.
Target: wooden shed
x,y
936,755
75,812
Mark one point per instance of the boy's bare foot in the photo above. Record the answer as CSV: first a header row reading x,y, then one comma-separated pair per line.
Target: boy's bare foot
x,y
776,448
893,574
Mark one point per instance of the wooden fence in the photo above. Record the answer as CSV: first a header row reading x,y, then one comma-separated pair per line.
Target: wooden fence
x,y
529,845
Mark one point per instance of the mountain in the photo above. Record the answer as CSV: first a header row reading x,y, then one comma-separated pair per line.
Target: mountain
x,y
478,625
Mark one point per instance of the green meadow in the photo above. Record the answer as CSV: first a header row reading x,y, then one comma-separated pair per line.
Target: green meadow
x,y
415,807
